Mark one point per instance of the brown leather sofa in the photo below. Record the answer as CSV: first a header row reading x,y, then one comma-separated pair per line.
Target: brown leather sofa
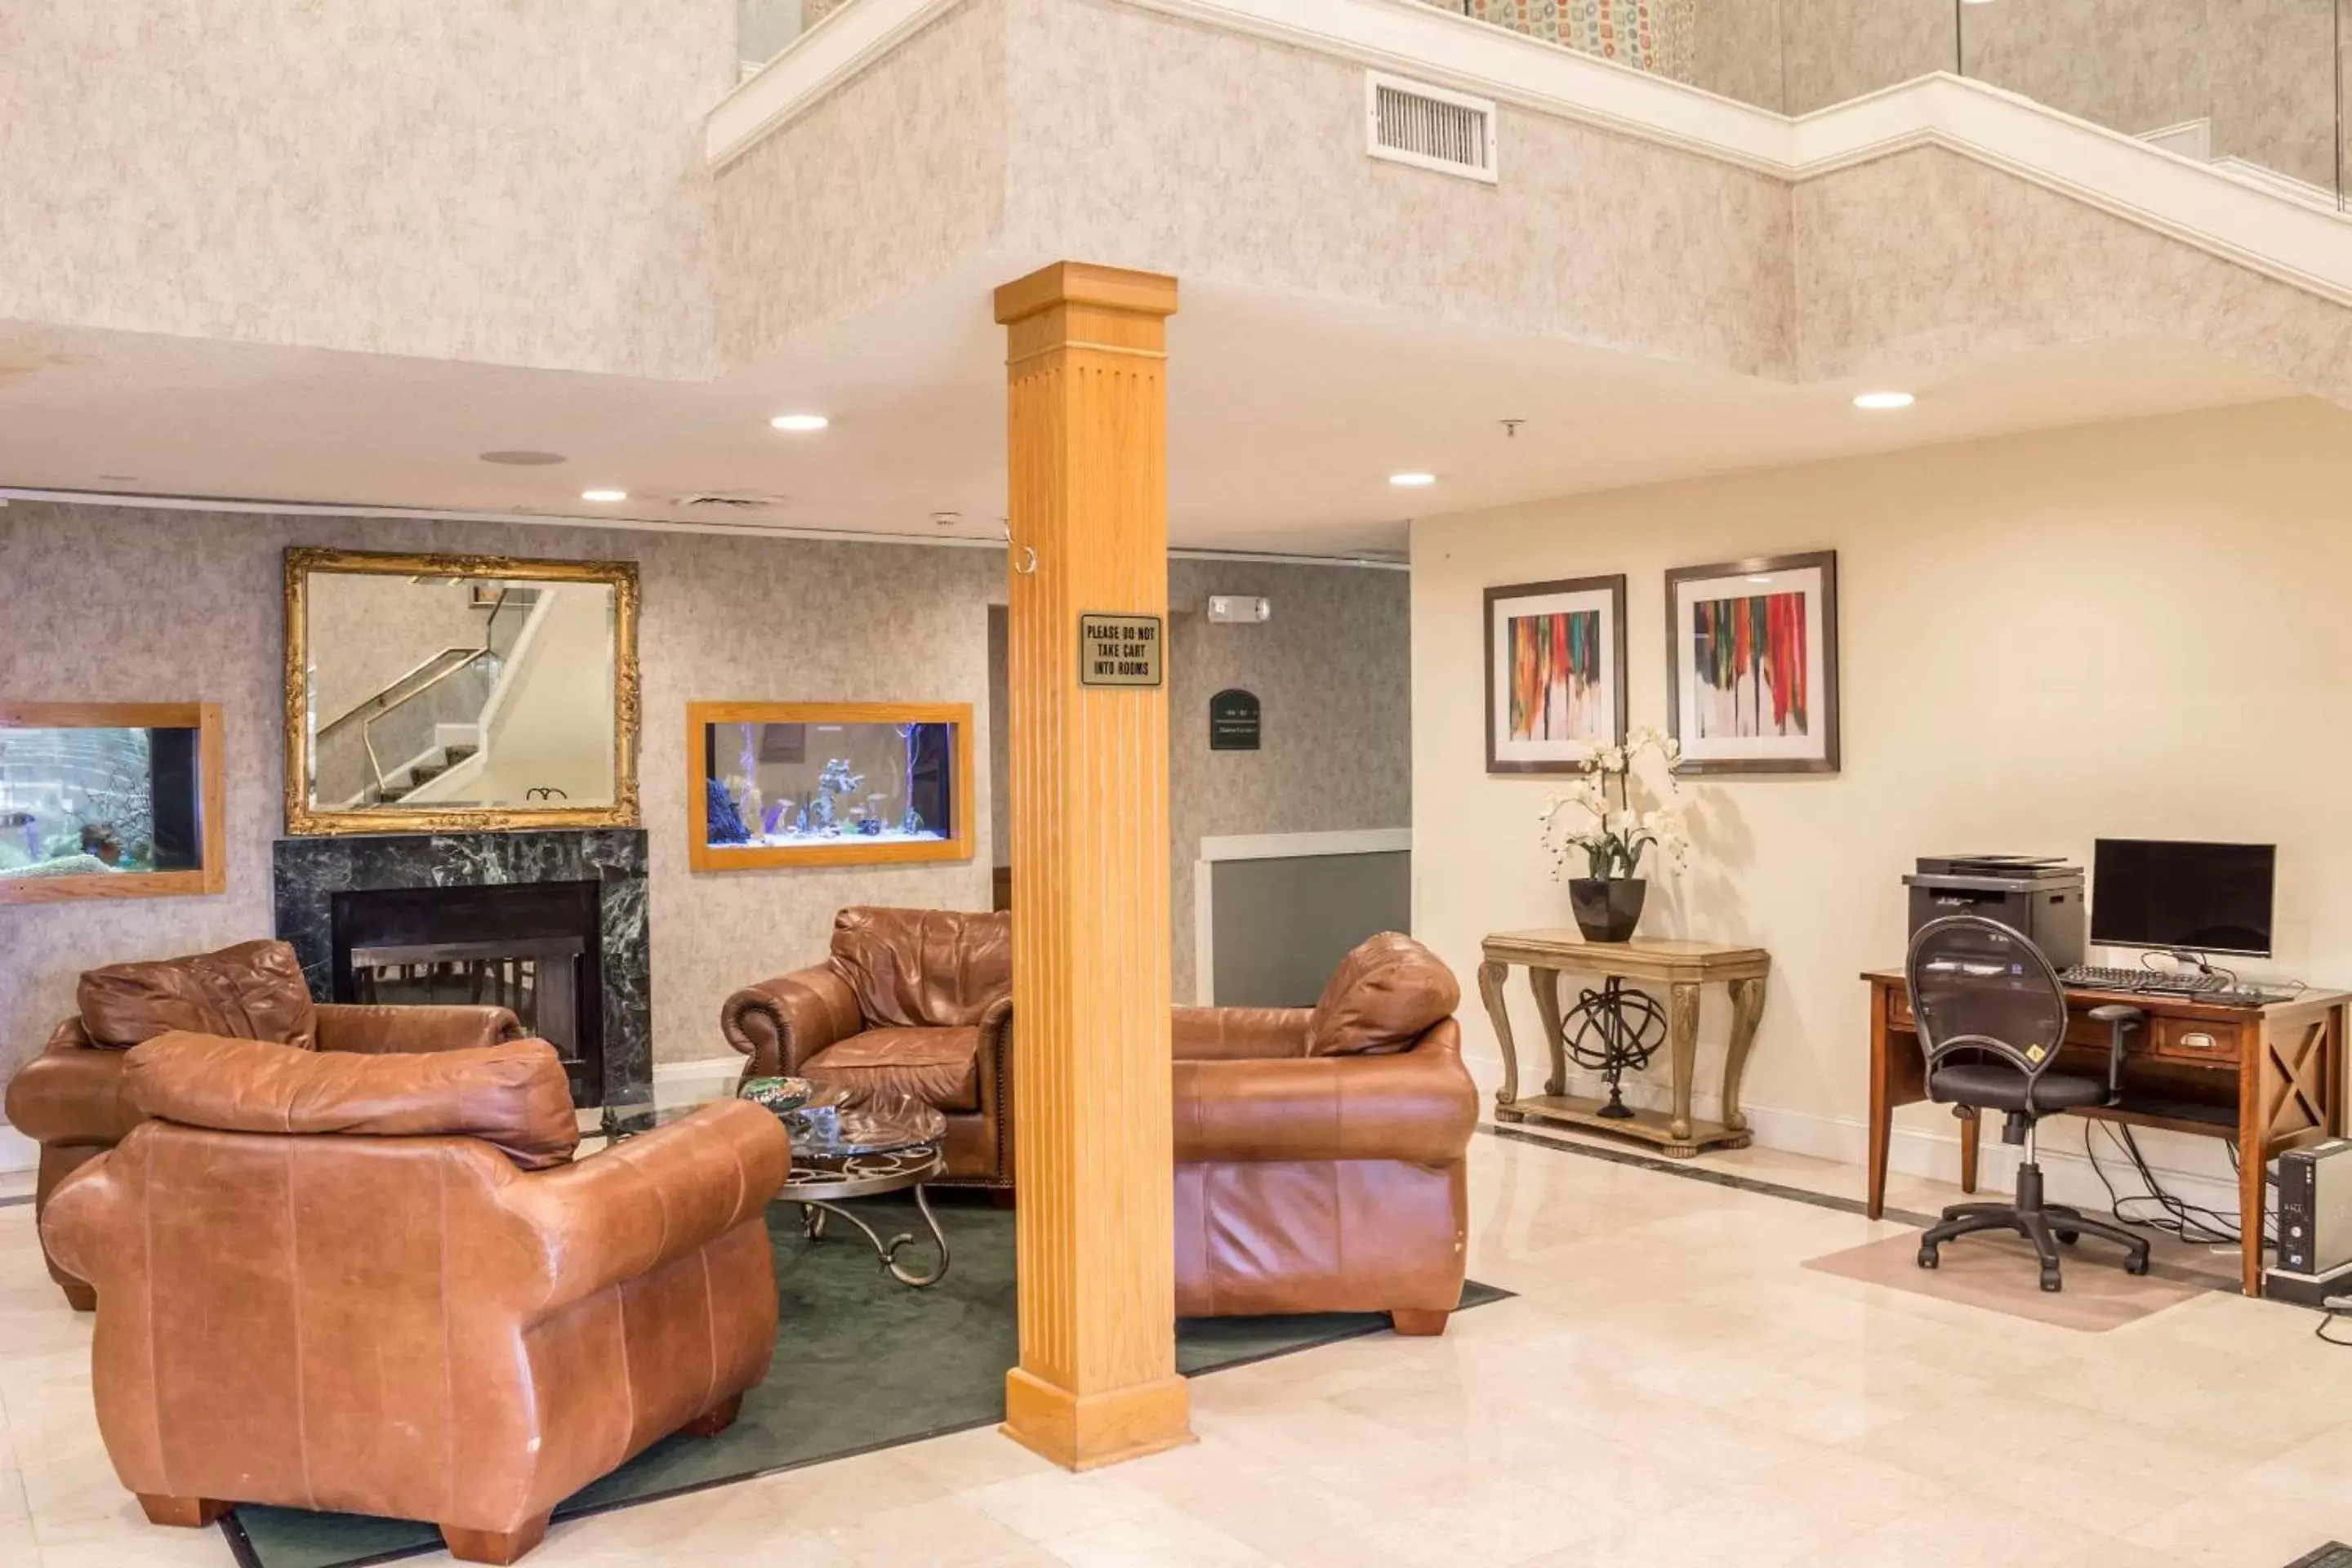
x,y
919,1000
380,1284
1319,1152
70,1099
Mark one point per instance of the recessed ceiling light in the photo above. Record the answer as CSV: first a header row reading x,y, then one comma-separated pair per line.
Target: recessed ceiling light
x,y
1884,400
523,458
800,422
603,495
1413,481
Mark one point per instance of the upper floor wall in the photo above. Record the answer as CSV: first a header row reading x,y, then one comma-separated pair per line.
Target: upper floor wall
x,y
517,181
950,143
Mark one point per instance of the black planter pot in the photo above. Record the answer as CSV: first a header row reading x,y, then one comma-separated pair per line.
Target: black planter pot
x,y
1607,910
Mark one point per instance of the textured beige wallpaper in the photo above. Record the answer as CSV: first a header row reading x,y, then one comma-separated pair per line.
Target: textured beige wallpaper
x,y
115,602
1880,280
904,167
118,605
1141,139
1332,670
520,182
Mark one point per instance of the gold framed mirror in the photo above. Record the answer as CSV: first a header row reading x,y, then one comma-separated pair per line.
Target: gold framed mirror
x,y
456,693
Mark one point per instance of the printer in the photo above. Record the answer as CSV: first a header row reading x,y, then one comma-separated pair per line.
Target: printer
x,y
2039,895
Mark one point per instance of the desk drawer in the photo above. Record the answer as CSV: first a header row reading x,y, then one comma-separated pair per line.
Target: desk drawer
x,y
2190,1040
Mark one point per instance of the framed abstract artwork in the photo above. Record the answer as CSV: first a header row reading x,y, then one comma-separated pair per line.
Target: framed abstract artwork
x,y
1554,673
1752,666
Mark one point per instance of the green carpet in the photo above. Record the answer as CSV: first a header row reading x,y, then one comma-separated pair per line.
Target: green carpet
x,y
862,1362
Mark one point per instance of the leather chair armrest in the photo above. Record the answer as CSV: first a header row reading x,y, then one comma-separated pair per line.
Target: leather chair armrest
x,y
72,1092
384,1031
651,1199
780,1023
80,1219
1419,1106
1240,1033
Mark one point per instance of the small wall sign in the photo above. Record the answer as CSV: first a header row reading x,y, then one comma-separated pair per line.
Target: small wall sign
x,y
1233,720
1119,650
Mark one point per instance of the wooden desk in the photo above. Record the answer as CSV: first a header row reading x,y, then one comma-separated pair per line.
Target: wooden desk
x,y
1680,966
2268,1078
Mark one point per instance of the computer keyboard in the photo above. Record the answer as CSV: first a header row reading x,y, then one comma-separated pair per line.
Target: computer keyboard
x,y
2096,977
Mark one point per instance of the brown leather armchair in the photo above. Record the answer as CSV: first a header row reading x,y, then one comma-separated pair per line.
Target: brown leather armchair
x,y
380,1284
1319,1152
70,1099
919,1000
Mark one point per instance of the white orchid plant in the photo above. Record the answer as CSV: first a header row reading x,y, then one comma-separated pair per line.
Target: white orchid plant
x,y
1613,817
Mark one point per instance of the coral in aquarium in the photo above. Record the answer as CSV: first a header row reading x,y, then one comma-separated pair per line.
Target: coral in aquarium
x,y
912,734
725,824
836,780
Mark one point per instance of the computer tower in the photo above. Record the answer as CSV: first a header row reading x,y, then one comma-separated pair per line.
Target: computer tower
x,y
2314,1209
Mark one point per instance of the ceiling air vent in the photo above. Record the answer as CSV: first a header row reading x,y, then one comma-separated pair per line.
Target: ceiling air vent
x,y
1428,127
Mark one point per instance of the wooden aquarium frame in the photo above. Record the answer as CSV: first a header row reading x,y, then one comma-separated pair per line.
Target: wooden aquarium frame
x,y
704,855
211,873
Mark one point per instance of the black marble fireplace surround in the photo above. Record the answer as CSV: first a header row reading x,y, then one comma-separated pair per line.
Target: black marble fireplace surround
x,y
306,874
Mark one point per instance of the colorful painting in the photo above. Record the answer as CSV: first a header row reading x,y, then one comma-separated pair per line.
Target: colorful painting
x,y
1750,655
1752,665
1556,676
1554,673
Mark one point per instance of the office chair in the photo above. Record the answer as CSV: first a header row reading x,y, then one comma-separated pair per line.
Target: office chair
x,y
1992,1016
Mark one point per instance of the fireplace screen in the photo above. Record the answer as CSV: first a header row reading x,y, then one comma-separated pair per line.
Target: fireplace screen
x,y
539,979
533,947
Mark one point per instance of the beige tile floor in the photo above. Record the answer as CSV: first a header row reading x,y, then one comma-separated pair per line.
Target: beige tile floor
x,y
1669,1387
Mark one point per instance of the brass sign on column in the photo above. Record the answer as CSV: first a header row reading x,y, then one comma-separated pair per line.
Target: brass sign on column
x,y
1091,1079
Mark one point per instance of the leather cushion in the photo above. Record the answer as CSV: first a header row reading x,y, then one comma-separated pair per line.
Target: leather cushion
x,y
1247,1034
1998,1088
938,1066
513,1096
1386,993
924,968
254,991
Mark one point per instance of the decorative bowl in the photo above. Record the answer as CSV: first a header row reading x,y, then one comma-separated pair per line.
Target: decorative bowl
x,y
777,1094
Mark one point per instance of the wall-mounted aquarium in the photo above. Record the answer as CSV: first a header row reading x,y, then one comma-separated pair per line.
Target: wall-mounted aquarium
x,y
811,783
109,800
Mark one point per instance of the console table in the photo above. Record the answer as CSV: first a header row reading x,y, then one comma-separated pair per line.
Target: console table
x,y
1682,968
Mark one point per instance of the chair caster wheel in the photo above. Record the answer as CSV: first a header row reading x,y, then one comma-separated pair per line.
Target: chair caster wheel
x,y
2050,1281
2134,1265
2068,1237
1928,1258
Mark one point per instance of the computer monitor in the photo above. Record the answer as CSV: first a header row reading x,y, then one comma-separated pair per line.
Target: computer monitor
x,y
2197,898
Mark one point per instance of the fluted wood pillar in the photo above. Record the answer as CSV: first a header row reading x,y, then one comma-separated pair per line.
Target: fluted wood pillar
x,y
1092,1139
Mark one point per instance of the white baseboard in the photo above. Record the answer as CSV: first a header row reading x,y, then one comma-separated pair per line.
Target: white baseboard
x,y
2067,1174
17,1153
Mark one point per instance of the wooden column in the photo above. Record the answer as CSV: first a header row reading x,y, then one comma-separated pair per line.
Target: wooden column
x,y
1092,1139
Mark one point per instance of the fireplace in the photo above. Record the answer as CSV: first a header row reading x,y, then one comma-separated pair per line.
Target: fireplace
x,y
551,923
530,946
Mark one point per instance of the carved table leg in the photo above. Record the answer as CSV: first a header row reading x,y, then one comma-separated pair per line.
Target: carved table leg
x,y
1747,1009
1545,983
1491,976
1682,1042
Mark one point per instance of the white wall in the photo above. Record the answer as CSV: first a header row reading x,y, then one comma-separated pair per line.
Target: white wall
x,y
2131,629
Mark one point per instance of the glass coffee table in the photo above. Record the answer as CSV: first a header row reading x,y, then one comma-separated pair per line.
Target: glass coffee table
x,y
848,1142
